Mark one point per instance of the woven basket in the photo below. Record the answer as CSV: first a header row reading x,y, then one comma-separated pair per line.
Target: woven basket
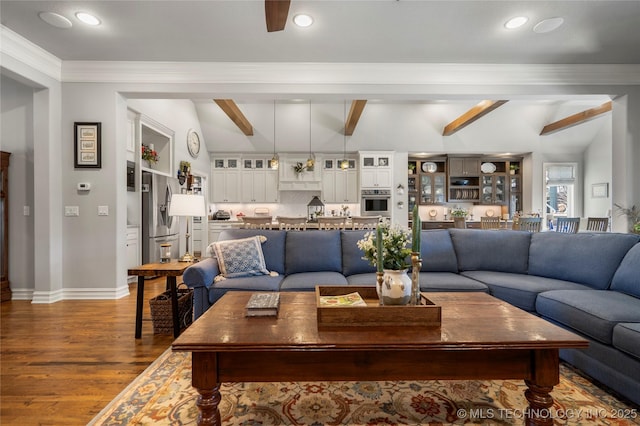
x,y
162,313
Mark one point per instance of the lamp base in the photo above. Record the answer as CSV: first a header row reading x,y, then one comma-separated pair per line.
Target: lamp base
x,y
187,257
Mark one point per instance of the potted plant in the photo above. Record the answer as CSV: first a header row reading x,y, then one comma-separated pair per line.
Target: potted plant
x,y
459,212
299,168
412,168
149,155
513,168
396,252
633,216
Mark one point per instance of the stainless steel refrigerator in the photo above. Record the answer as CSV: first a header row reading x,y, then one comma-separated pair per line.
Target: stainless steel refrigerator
x,y
157,226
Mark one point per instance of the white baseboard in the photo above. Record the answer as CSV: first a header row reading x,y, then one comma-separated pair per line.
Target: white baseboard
x,y
70,294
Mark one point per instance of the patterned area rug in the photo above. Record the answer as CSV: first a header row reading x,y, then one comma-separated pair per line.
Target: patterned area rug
x,y
162,395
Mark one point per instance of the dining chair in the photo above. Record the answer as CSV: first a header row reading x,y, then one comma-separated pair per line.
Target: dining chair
x,y
568,225
598,224
297,223
460,222
257,222
488,222
530,224
331,222
365,222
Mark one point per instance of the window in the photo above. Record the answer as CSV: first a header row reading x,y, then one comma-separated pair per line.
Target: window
x,y
560,183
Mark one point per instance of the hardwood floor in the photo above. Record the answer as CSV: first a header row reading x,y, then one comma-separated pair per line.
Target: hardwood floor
x,y
62,363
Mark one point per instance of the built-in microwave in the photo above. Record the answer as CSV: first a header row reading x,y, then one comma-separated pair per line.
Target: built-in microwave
x,y
376,202
131,176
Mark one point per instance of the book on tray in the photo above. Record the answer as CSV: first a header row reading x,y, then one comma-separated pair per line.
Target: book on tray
x,y
263,304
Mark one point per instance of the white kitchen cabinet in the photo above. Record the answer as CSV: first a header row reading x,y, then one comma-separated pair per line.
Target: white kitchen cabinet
x,y
196,236
376,169
225,185
133,249
338,185
259,186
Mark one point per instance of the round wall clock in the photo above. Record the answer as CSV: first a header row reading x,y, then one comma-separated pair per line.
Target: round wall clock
x,y
193,143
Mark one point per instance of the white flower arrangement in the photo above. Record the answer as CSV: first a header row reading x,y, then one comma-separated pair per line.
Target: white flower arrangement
x,y
396,248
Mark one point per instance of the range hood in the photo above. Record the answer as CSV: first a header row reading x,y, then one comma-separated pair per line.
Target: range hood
x,y
305,180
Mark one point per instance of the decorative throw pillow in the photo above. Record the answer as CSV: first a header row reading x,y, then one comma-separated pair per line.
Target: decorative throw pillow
x,y
241,258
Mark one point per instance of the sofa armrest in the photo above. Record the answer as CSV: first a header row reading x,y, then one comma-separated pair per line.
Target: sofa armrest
x,y
201,274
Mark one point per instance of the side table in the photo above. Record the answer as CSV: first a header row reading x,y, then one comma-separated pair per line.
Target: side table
x,y
171,270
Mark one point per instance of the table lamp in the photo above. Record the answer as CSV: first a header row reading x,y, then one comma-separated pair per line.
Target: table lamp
x,y
187,205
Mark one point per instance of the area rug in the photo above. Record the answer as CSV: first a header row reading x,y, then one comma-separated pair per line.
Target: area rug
x,y
162,395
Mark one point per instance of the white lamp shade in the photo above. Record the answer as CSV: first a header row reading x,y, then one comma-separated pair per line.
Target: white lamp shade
x,y
187,205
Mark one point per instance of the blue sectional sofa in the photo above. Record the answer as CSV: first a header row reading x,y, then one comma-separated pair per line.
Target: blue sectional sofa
x,y
587,282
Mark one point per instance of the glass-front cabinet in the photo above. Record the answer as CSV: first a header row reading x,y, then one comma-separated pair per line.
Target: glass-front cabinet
x,y
432,188
494,189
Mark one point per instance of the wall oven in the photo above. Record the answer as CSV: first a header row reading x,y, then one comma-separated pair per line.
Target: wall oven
x,y
376,202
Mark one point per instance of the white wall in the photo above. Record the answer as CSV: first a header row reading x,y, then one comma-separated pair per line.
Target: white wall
x,y
598,169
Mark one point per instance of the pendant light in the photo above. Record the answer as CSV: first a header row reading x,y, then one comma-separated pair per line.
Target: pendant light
x,y
311,161
344,164
274,161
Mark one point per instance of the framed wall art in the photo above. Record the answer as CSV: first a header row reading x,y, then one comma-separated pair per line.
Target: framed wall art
x,y
87,145
600,190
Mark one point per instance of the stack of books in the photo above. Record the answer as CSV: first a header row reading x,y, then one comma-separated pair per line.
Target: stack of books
x,y
263,304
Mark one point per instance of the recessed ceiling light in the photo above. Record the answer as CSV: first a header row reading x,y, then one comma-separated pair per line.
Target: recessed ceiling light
x,y
548,25
303,20
54,19
516,22
87,18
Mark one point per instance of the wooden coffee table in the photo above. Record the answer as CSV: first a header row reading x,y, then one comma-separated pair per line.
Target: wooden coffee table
x,y
481,338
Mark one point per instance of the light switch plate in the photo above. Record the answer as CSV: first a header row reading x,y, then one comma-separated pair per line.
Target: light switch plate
x,y
103,210
26,210
71,211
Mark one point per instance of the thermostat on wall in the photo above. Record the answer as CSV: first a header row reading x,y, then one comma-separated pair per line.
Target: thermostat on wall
x,y
84,186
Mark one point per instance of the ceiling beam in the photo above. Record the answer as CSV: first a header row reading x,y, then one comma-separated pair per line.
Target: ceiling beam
x,y
231,109
276,12
354,115
576,119
478,111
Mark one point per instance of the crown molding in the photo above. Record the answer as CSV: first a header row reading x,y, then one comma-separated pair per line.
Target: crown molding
x,y
349,73
20,49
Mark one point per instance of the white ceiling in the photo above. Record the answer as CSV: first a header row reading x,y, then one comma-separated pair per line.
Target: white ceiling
x,y
356,31
450,31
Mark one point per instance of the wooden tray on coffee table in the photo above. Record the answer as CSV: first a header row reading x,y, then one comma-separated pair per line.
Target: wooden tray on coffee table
x,y
427,314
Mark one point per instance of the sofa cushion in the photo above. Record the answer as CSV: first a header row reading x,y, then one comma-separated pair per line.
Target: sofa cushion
x,y
627,276
626,337
448,281
352,257
489,250
273,248
311,251
309,280
436,250
201,274
362,279
585,258
255,283
593,313
240,258
520,290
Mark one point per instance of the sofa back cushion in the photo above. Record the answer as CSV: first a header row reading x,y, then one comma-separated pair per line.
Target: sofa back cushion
x,y
627,276
491,250
584,258
272,249
436,250
352,257
313,251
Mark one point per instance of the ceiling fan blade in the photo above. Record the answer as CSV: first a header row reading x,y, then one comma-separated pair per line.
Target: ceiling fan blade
x,y
276,12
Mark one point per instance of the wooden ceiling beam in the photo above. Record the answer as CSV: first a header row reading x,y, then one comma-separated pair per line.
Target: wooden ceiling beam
x,y
355,112
478,111
231,109
575,119
276,12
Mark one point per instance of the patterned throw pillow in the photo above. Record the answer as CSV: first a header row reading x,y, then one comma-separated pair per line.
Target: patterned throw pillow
x,y
241,258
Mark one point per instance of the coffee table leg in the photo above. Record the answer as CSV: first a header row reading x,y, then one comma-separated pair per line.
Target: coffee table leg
x,y
546,374
204,367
